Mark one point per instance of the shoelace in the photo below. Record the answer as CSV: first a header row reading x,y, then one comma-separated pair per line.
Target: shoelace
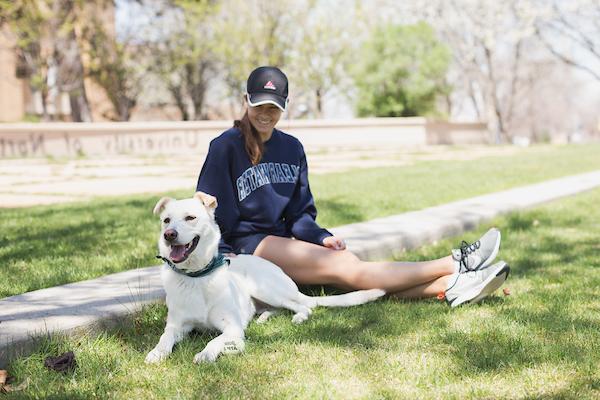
x,y
465,250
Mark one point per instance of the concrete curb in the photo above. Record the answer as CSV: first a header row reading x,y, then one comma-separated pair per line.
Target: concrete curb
x,y
76,307
385,237
96,303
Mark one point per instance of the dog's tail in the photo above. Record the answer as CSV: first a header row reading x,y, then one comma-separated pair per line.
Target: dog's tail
x,y
344,300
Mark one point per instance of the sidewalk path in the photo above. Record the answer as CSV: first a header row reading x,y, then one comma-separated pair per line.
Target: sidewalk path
x,y
30,182
98,302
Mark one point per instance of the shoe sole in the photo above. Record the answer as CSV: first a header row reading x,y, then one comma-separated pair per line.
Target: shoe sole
x,y
492,256
494,285
491,284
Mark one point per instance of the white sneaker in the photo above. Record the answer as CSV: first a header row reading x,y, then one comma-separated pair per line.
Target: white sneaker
x,y
474,286
479,254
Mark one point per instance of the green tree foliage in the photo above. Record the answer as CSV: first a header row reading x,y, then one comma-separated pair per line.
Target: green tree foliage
x,y
400,72
251,33
323,52
115,66
186,59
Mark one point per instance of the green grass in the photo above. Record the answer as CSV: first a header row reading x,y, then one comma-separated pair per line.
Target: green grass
x,y
362,195
52,245
542,341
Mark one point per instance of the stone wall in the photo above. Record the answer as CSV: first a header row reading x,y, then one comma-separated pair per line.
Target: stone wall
x,y
97,139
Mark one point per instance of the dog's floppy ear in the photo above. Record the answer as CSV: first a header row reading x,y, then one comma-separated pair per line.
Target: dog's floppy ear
x,y
209,201
161,204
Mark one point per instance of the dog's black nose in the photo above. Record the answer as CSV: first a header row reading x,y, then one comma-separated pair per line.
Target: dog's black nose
x,y
170,235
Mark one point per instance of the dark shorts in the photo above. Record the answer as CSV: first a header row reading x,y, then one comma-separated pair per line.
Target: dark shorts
x,y
247,244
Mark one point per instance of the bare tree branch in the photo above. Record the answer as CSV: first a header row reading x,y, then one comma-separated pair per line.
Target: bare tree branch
x,y
576,33
565,59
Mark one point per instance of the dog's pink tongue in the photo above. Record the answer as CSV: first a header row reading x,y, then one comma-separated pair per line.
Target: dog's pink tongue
x,y
177,253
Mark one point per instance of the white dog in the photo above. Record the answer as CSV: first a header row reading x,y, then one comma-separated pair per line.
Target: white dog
x,y
204,291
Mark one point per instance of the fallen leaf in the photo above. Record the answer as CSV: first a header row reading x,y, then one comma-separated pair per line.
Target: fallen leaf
x,y
63,363
9,388
506,291
4,387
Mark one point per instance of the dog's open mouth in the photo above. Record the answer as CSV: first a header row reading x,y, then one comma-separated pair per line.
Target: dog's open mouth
x,y
180,252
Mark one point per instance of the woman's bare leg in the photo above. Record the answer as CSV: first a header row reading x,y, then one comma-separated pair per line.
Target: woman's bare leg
x,y
429,289
307,263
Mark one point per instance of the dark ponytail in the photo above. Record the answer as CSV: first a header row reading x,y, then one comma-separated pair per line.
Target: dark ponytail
x,y
253,142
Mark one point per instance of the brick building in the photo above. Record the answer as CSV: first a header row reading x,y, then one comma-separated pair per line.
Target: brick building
x,y
18,100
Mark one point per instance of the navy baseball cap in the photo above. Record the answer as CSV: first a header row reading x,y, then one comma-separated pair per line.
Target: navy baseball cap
x,y
267,85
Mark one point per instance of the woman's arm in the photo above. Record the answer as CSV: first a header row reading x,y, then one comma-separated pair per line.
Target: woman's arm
x,y
300,213
215,180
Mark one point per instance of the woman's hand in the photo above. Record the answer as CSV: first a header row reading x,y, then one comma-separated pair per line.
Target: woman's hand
x,y
334,243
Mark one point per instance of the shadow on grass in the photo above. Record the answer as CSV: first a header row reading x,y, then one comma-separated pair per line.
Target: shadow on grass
x,y
35,254
360,326
493,351
578,388
75,230
547,249
542,334
538,329
561,249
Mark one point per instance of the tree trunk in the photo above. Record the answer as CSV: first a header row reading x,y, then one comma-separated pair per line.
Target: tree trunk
x,y
70,66
80,107
319,102
448,101
501,129
125,106
44,97
197,88
514,82
177,93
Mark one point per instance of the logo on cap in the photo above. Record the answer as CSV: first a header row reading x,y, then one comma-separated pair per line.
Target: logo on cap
x,y
269,85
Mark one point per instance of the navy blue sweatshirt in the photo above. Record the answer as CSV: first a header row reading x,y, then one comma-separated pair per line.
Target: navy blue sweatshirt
x,y
271,198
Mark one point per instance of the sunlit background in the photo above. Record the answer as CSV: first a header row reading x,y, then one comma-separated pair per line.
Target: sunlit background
x,y
528,68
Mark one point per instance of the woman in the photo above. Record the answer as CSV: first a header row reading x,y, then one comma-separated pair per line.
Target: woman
x,y
259,176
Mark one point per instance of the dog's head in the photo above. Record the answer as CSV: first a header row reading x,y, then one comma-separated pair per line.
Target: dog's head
x,y
189,235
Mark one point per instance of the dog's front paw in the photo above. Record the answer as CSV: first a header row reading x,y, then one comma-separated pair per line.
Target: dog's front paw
x,y
155,356
299,318
206,356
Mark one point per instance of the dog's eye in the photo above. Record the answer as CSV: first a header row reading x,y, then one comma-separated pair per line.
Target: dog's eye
x,y
190,218
167,220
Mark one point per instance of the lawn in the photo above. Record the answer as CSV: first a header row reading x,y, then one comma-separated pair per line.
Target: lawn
x,y
542,341
47,246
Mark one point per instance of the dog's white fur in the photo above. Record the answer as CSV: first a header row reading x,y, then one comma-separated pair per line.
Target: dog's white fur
x,y
227,298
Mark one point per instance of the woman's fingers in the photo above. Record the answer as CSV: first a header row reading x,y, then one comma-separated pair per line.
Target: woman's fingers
x,y
334,243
